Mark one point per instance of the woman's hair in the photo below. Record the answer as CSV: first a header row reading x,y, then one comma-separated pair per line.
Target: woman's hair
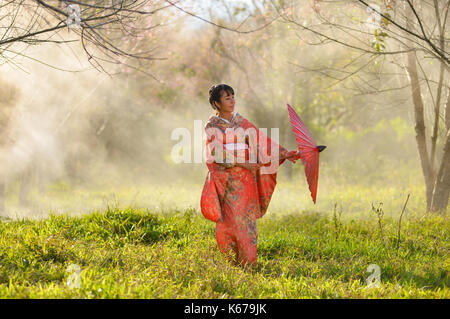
x,y
214,94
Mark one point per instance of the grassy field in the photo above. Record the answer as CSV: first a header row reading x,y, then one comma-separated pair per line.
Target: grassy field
x,y
130,252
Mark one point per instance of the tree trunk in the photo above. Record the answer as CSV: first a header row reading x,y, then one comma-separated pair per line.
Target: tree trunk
x,y
442,186
441,192
419,117
420,126
436,118
447,114
447,111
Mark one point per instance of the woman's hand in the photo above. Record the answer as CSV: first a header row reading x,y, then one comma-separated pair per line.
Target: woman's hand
x,y
293,156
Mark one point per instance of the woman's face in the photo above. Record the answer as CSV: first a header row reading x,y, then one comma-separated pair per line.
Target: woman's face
x,y
226,102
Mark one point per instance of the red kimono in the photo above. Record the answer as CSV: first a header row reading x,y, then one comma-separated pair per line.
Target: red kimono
x,y
234,197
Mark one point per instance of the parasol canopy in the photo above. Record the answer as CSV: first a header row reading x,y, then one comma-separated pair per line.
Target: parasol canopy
x,y
308,151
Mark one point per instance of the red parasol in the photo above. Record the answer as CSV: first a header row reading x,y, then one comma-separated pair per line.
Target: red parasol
x,y
308,151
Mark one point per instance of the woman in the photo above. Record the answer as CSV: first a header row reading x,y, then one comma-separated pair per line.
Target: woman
x,y
237,192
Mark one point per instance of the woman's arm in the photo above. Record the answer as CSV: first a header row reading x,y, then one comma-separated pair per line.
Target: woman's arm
x,y
289,155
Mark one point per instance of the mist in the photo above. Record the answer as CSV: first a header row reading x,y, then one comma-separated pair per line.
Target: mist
x,y
75,140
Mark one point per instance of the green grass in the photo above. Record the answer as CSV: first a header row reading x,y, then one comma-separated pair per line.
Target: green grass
x,y
139,253
156,244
